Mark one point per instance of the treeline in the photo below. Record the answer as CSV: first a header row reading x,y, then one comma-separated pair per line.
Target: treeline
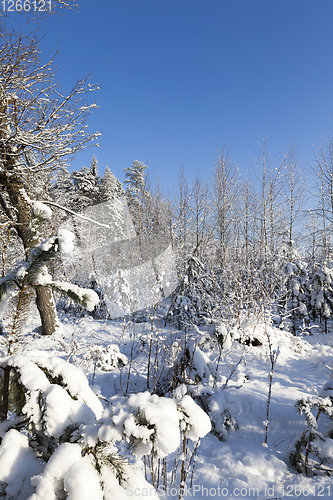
x,y
243,245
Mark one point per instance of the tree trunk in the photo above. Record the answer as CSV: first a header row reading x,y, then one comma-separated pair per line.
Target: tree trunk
x,y
47,311
5,393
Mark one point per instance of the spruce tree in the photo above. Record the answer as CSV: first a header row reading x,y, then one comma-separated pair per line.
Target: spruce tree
x,y
86,183
135,180
322,293
110,187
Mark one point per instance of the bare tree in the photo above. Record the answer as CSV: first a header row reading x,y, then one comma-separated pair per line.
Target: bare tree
x,y
248,208
201,227
182,217
40,130
323,169
294,194
267,173
225,189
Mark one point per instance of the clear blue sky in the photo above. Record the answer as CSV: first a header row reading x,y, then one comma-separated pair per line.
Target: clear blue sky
x,y
181,77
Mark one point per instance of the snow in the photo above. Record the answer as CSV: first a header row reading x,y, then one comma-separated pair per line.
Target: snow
x,y
55,470
87,296
231,459
82,481
107,358
150,423
41,210
75,381
197,422
62,410
18,464
66,240
201,363
56,417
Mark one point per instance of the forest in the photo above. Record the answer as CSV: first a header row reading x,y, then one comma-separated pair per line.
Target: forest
x,y
157,344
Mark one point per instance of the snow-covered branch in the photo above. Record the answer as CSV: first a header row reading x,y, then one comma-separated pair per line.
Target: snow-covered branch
x,y
75,214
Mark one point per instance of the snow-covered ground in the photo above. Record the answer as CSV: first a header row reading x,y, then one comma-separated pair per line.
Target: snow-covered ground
x,y
235,462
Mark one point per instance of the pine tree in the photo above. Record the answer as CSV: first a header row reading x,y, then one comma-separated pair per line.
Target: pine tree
x,y
110,187
32,275
63,188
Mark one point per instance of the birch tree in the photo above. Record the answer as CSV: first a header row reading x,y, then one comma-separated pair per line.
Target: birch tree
x,y
267,172
202,226
323,169
294,196
225,185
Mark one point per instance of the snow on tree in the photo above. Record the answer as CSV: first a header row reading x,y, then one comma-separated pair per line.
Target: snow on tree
x,y
135,180
224,408
106,358
312,451
40,129
32,274
322,292
49,428
294,295
151,424
86,182
63,190
120,298
110,187
57,442
195,297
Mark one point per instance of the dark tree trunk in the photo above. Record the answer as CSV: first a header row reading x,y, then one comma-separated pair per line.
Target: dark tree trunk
x,y
5,393
47,311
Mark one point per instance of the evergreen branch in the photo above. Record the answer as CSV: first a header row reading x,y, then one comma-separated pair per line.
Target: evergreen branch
x,y
86,298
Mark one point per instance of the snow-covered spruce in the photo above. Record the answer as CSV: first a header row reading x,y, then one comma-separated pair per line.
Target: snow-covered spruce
x,y
56,442
151,424
312,452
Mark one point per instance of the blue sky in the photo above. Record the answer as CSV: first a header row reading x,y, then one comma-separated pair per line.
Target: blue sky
x,y
179,78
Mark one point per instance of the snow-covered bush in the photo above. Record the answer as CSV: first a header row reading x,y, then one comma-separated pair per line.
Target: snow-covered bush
x,y
195,297
202,368
313,452
151,424
190,365
224,408
56,441
55,445
106,358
